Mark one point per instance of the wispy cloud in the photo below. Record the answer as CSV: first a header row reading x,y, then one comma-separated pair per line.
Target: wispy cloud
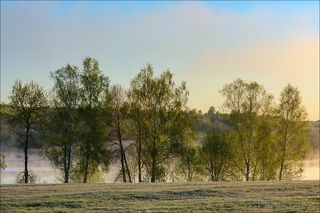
x,y
201,43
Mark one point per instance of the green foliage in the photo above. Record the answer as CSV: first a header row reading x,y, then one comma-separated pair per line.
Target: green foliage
x,y
136,125
216,153
28,104
95,173
291,132
165,122
2,162
246,103
94,89
189,163
266,164
92,147
119,112
94,84
63,127
66,87
132,161
314,135
87,124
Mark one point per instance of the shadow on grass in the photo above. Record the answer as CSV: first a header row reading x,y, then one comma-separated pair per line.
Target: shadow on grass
x,y
51,204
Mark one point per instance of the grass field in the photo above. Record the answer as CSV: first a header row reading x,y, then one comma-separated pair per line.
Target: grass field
x,y
299,196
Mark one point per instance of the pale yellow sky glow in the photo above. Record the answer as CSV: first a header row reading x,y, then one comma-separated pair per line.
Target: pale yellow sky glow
x,y
204,43
273,65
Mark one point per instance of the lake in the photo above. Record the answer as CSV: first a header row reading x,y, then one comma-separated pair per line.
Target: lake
x,y
46,173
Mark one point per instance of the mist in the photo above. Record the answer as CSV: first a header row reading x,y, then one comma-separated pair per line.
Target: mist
x,y
46,173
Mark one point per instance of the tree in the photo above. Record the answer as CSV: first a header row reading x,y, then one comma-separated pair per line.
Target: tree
x,y
28,103
291,132
245,103
265,167
5,115
2,162
189,163
132,162
119,113
64,121
94,88
137,124
165,122
216,153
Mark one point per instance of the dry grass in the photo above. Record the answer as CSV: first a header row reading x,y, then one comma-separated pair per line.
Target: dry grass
x,y
299,196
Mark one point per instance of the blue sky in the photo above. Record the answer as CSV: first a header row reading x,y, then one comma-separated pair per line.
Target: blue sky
x,y
238,6
207,44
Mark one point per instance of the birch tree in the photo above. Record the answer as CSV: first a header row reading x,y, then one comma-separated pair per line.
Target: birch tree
x,y
165,122
246,102
28,103
64,122
119,115
292,133
94,88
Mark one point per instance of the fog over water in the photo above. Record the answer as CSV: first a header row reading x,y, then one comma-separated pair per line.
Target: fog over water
x,y
41,166
46,173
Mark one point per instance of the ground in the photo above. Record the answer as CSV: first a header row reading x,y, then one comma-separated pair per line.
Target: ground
x,y
297,196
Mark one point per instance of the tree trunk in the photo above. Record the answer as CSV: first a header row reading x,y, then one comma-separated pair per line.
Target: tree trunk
x,y
127,167
26,173
254,173
189,173
69,163
247,171
122,166
68,148
139,152
124,163
153,170
280,172
65,158
85,179
123,158
281,167
283,153
139,163
88,148
263,170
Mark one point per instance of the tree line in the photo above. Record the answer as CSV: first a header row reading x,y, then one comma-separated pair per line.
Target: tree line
x,y
86,124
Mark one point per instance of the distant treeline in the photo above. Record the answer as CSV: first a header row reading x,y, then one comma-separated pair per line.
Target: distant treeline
x,y
85,124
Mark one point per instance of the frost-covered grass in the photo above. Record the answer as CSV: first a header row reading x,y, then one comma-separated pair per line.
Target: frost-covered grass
x,y
297,196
